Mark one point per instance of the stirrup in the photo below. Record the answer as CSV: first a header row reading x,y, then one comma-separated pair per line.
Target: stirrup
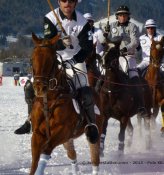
x,y
92,133
24,129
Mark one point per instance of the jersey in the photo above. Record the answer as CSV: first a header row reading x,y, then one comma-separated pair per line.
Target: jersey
x,y
145,43
78,29
128,33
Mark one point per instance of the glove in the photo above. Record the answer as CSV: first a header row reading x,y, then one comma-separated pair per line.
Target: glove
x,y
123,51
67,42
69,63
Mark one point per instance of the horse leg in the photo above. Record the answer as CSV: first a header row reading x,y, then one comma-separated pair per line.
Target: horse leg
x,y
130,133
147,132
47,149
154,116
71,153
139,121
36,144
103,135
95,159
121,136
162,129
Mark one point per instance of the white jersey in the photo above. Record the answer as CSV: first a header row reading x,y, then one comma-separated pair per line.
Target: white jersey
x,y
72,28
145,42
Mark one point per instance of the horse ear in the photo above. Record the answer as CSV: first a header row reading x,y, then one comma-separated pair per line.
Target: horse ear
x,y
55,39
35,39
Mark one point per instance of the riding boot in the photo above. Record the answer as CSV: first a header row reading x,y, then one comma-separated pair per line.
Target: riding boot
x,y
29,96
91,129
138,96
26,127
99,83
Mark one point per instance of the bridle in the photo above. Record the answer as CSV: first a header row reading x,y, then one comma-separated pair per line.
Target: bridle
x,y
47,81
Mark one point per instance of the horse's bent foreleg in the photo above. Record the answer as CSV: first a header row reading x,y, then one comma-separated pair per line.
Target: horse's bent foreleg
x,y
71,153
95,159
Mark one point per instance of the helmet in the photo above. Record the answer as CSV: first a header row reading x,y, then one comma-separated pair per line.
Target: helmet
x,y
122,9
79,1
88,16
150,23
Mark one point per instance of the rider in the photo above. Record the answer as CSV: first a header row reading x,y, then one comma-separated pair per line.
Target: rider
x,y
98,42
74,48
129,34
145,43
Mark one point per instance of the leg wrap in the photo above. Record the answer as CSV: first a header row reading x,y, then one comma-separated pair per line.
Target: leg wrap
x,y
42,164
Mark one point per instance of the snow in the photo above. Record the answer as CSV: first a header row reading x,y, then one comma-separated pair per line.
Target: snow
x,y
15,150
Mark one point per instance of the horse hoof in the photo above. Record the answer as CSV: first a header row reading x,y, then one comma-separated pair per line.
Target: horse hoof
x,y
92,133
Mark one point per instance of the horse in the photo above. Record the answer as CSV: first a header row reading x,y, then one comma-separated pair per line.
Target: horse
x,y
53,117
117,98
93,71
154,79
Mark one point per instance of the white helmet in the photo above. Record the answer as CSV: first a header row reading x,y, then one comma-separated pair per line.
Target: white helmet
x,y
88,16
150,23
79,1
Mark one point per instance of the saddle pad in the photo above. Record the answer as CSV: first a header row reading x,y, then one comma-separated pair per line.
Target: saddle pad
x,y
76,106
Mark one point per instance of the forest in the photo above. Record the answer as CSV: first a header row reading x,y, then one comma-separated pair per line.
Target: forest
x,y
22,17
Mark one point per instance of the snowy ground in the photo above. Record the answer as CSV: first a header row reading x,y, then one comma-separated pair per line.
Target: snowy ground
x,y
15,151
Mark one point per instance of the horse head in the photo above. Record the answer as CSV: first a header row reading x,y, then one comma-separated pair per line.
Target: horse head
x,y
111,55
157,52
44,62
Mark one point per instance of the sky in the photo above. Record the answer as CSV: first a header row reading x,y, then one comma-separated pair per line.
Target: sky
x,y
15,150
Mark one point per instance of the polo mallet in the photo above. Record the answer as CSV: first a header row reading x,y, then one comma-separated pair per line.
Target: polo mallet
x,y
107,26
58,20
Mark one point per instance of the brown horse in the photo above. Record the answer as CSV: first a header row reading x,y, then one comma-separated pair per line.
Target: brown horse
x,y
54,119
154,79
93,71
117,97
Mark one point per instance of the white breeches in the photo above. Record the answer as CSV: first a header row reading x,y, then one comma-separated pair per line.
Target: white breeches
x,y
129,64
80,79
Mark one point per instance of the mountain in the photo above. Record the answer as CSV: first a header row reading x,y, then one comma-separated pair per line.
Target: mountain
x,y
22,17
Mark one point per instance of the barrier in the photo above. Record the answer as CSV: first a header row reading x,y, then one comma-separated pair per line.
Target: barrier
x,y
22,80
